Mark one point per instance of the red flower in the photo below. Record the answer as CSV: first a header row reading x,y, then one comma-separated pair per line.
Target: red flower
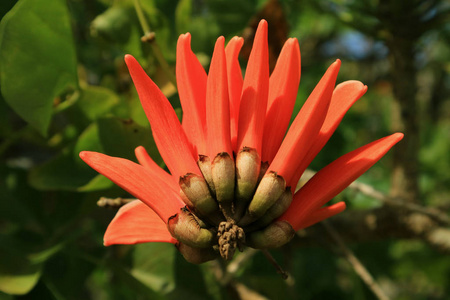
x,y
229,163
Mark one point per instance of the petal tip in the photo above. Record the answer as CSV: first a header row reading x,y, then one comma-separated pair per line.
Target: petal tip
x,y
185,37
263,22
129,58
238,39
262,27
337,63
85,155
398,136
220,41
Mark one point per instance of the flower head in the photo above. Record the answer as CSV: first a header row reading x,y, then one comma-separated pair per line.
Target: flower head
x,y
233,170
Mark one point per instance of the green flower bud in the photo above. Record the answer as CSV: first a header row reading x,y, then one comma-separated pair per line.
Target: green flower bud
x,y
248,165
223,173
273,236
268,192
280,206
196,255
204,163
196,190
184,227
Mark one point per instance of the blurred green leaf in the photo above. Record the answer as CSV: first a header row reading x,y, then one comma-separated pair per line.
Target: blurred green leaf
x,y
154,265
19,282
162,268
114,24
96,101
120,137
37,58
109,135
18,275
61,173
183,15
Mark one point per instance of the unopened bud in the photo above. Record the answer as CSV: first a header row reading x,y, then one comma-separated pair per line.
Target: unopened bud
x,y
269,190
204,163
273,236
196,255
280,206
196,190
248,165
223,173
184,227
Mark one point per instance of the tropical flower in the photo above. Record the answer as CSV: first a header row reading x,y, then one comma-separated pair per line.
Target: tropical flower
x,y
233,171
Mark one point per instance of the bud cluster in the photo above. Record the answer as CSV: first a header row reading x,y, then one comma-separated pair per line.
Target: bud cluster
x,y
234,204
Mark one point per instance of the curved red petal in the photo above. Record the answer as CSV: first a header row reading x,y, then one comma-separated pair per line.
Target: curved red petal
x,y
252,110
217,103
344,96
235,82
306,126
335,177
136,223
191,82
138,181
283,87
167,132
322,214
147,162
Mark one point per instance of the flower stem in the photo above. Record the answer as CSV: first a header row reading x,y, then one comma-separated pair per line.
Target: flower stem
x,y
272,260
149,37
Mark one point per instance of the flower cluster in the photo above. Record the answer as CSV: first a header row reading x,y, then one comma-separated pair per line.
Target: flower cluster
x,y
233,170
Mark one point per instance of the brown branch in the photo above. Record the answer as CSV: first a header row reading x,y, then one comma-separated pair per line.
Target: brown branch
x,y
274,263
113,202
381,224
225,276
398,203
359,268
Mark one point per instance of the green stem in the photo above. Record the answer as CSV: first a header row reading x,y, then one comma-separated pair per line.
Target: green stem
x,y
149,36
140,13
52,288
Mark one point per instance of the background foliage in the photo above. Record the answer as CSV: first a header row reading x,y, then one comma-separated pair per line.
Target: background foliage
x,y
65,88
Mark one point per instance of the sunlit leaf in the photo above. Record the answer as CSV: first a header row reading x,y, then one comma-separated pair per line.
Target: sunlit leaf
x,y
37,58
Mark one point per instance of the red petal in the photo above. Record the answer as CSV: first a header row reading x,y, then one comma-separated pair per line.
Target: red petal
x,y
322,214
138,181
305,127
147,162
167,132
335,177
282,95
136,223
191,81
217,103
252,111
344,96
235,82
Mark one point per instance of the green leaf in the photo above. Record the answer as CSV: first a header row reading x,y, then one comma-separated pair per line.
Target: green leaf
x,y
18,275
96,102
109,135
160,267
120,137
37,58
154,265
19,282
114,24
183,15
63,172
